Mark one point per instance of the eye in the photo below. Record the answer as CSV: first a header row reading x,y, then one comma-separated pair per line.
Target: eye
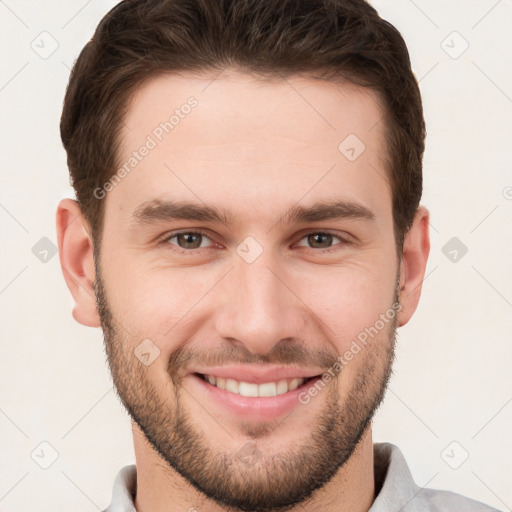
x,y
321,240
189,239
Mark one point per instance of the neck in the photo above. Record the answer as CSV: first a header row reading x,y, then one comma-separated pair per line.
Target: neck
x,y
161,489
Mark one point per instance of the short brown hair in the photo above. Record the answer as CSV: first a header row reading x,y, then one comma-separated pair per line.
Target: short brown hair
x,y
139,39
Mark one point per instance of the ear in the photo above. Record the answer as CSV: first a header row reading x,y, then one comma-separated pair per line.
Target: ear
x,y
412,267
77,261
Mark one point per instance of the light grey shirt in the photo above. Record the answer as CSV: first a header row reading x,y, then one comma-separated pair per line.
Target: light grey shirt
x,y
398,492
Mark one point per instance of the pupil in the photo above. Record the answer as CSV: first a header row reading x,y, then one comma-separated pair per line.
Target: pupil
x,y
189,240
314,238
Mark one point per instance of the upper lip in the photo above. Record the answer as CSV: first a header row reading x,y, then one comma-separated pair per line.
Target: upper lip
x,y
258,374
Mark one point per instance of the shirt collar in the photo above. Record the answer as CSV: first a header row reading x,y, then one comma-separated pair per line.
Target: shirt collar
x,y
124,490
397,488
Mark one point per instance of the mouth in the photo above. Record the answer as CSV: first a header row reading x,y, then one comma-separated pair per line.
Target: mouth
x,y
250,401
253,390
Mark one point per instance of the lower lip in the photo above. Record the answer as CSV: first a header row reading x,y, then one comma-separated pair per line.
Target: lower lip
x,y
253,408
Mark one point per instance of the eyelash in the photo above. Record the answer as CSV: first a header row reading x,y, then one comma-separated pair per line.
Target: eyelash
x,y
172,235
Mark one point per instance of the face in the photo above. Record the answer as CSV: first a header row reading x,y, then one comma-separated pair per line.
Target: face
x,y
248,245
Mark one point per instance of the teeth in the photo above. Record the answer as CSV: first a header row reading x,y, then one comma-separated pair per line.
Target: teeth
x,y
294,384
267,389
231,385
282,387
254,390
246,389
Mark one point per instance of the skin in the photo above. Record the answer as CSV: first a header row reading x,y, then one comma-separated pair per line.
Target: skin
x,y
256,149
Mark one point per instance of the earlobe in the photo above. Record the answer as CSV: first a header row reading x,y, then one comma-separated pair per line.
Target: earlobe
x,y
412,267
77,261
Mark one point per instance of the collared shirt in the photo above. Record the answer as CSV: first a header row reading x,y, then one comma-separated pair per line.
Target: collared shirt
x,y
398,492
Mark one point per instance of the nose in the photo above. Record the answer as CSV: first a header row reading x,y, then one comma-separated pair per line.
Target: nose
x,y
258,305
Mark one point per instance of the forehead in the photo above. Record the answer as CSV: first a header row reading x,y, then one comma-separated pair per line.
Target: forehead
x,y
233,104
215,138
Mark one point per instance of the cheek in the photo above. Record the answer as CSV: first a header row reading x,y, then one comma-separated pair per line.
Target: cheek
x,y
157,303
348,301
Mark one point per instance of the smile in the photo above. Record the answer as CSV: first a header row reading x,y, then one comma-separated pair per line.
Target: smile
x,y
247,389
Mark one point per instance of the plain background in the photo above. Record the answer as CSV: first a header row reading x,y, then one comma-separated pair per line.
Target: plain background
x,y
451,394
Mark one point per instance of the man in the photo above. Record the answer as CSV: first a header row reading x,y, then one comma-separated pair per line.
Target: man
x,y
248,234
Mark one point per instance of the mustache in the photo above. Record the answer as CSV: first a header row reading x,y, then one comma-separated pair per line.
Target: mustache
x,y
286,352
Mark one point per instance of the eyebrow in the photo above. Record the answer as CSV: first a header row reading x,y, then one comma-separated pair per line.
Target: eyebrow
x,y
158,210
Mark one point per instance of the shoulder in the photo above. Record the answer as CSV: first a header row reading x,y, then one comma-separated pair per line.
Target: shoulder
x,y
396,489
447,501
